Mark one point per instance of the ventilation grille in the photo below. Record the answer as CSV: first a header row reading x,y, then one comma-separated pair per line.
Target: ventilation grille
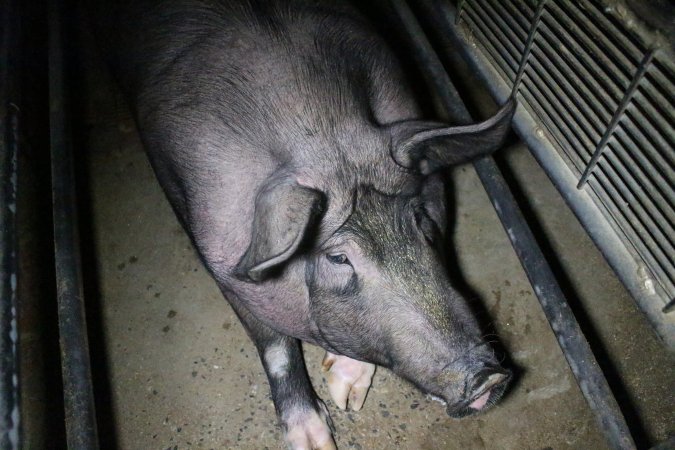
x,y
608,100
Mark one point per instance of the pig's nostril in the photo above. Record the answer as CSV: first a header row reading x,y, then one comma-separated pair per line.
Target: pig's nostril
x,y
481,401
484,390
487,384
492,380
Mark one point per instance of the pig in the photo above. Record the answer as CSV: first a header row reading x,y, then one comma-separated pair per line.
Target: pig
x,y
295,155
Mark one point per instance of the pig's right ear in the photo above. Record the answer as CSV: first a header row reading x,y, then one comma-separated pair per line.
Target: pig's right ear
x,y
284,212
430,146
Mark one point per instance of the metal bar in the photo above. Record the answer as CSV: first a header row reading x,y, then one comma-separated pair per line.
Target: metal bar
x,y
9,336
660,134
507,64
632,221
544,77
489,17
9,387
600,43
662,116
625,101
531,35
81,431
565,327
542,94
569,72
435,74
621,43
661,180
565,138
9,146
500,10
670,307
641,185
660,76
578,54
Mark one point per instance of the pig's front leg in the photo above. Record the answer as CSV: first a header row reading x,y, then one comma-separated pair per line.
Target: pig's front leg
x,y
348,380
303,416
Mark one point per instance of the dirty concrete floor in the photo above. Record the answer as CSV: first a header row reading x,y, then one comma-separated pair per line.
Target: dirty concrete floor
x,y
183,374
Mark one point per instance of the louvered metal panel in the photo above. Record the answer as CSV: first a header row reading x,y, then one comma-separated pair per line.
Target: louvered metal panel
x,y
605,91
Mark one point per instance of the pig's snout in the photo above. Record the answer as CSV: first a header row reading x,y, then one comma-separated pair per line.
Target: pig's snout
x,y
481,390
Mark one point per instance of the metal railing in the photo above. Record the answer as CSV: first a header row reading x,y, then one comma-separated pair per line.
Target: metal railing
x,y
78,393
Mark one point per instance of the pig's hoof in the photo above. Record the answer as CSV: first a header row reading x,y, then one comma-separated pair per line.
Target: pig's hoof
x,y
348,380
309,429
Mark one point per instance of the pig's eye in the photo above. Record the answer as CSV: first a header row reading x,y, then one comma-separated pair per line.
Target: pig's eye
x,y
339,258
427,225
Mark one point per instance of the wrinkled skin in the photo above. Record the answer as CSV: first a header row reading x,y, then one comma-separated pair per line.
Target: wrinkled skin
x,y
291,149
394,273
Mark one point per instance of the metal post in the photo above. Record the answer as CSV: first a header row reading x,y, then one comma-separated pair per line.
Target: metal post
x,y
78,393
9,145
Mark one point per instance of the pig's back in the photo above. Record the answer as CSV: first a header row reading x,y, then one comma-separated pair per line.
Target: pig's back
x,y
225,93
264,71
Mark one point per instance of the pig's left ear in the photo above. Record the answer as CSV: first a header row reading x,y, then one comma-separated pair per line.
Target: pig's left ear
x,y
284,211
430,146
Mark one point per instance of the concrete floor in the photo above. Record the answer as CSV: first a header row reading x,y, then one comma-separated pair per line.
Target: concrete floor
x,y
183,374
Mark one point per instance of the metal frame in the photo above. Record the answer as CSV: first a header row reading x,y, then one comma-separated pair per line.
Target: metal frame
x,y
623,259
576,349
9,146
78,393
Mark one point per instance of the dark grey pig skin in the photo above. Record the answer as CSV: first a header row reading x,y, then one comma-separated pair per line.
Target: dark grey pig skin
x,y
294,154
